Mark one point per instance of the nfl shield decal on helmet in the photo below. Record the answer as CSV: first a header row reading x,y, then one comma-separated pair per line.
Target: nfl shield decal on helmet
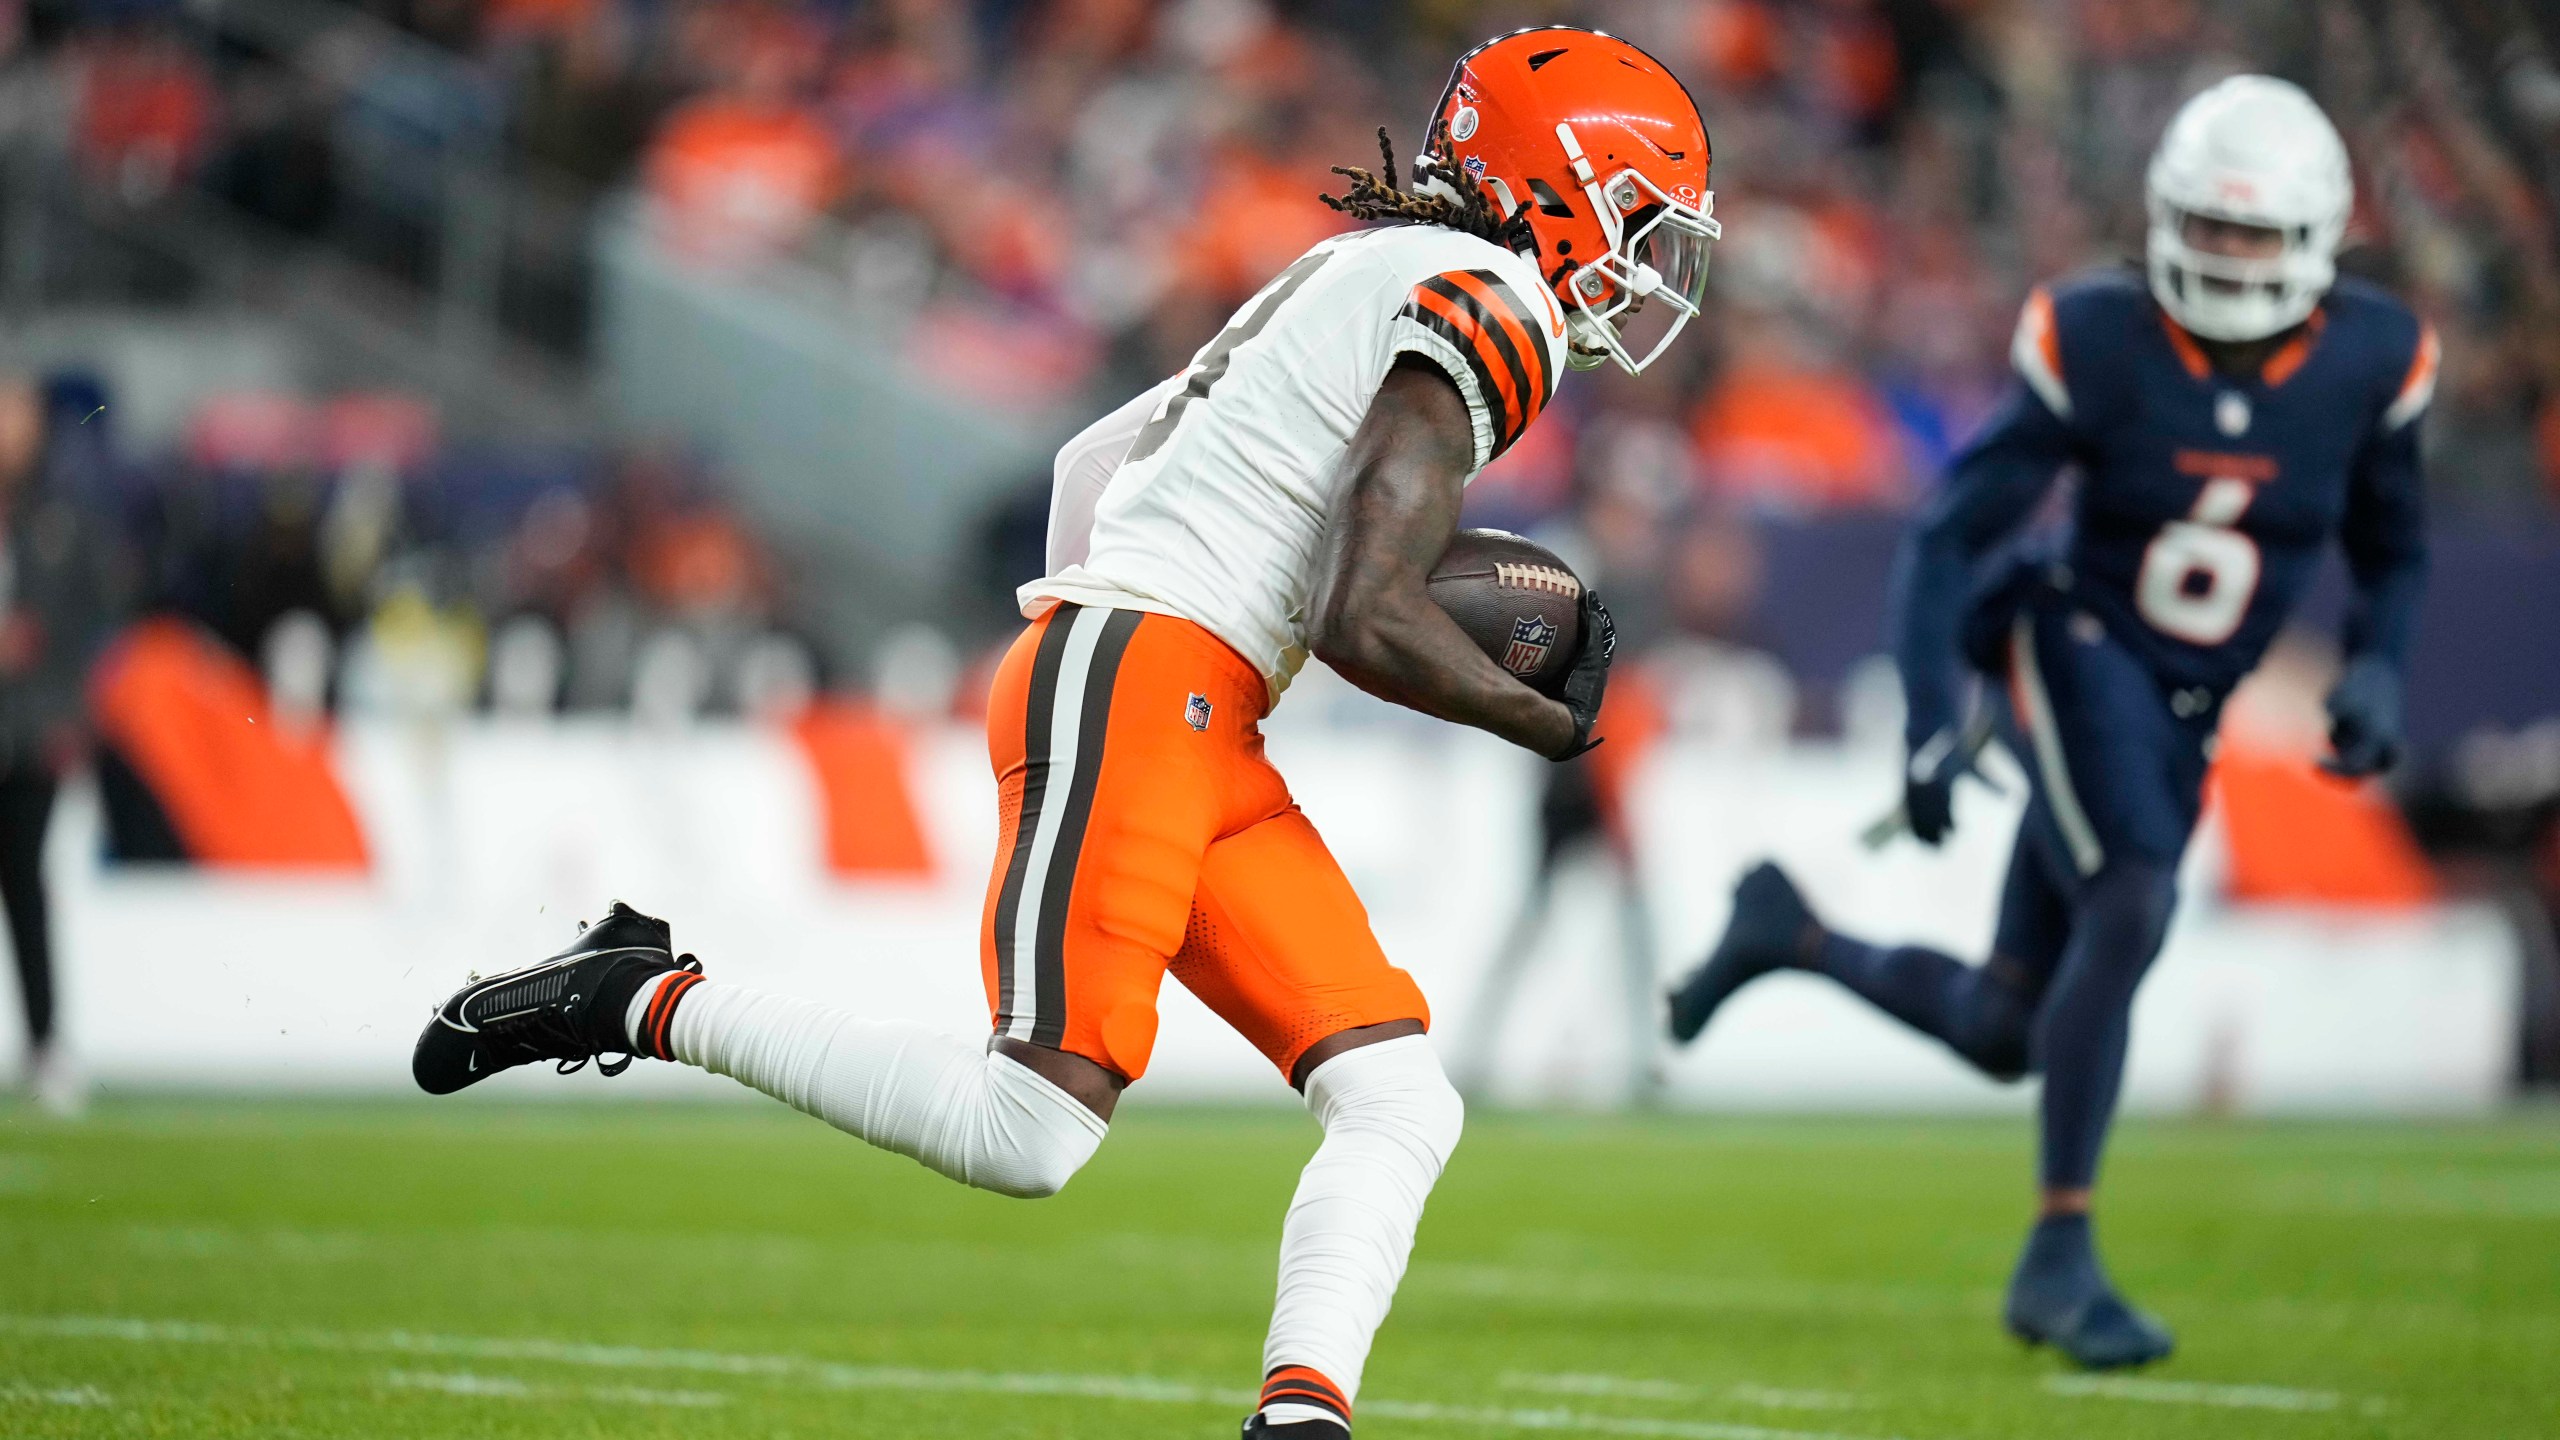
x,y
1197,712
1531,638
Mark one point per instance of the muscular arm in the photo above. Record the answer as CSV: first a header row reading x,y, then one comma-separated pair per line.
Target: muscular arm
x,y
1992,486
1373,619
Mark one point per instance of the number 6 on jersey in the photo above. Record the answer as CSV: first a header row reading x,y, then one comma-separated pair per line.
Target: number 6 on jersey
x,y
2199,573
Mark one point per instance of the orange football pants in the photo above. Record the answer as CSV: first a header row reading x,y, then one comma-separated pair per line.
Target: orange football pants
x,y
1143,829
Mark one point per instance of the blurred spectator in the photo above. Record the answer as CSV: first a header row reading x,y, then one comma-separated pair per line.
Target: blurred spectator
x,y
742,172
147,109
58,606
1783,428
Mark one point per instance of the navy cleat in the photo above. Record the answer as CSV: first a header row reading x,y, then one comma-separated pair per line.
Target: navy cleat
x,y
1771,929
2061,1297
568,1008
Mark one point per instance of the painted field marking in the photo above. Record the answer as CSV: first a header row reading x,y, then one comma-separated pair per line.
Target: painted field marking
x,y
507,1387
24,1394
832,1375
1686,1293
2194,1392
1630,1387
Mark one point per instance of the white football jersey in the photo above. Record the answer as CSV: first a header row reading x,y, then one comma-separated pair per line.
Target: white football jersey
x,y
1208,496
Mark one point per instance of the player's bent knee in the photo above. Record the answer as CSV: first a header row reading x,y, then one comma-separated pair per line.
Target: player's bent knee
x,y
1394,1087
1030,1137
1995,1031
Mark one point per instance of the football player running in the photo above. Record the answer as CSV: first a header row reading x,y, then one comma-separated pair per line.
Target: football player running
x,y
2229,418
1287,493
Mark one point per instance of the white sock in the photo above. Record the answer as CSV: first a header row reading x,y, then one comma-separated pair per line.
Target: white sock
x,y
1390,1121
952,1104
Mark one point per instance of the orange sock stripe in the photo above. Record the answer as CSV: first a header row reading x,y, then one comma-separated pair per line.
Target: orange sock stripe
x,y
646,1040
1321,1399
661,1016
1298,1383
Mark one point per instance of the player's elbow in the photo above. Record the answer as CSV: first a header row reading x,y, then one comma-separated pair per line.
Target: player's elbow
x,y
1351,638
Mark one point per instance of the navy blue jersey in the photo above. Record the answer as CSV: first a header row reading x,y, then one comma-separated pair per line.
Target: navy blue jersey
x,y
2205,499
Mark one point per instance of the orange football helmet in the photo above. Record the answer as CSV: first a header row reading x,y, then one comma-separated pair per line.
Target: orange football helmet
x,y
1605,147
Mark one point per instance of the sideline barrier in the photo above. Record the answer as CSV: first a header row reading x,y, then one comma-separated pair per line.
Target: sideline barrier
x,y
488,840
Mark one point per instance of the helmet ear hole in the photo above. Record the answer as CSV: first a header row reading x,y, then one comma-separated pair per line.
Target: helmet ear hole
x,y
1549,202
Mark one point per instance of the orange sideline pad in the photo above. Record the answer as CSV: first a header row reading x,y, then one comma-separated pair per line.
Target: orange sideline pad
x,y
859,759
239,790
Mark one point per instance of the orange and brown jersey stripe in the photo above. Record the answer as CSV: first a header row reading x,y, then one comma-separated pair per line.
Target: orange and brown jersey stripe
x,y
1480,315
1298,1385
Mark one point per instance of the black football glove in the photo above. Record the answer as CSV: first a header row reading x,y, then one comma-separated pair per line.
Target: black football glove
x,y
1589,678
1929,786
2364,719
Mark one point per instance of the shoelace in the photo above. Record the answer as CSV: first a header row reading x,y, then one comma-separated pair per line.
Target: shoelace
x,y
546,1025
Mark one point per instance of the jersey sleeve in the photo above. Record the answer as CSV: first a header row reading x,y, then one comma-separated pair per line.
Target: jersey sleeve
x,y
1084,468
2417,384
2035,352
1993,485
1489,338
2384,530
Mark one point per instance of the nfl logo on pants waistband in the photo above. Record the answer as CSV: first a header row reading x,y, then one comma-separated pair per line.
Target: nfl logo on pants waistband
x,y
1197,712
1531,638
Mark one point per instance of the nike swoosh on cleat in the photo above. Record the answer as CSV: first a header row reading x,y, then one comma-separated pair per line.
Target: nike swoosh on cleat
x,y
472,1065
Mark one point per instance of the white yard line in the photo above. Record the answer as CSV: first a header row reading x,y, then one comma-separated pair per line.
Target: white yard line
x,y
507,1387
1630,1387
2193,1392
832,1375
21,1394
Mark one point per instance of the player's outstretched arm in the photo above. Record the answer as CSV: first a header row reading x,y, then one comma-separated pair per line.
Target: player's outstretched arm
x,y
1374,620
2384,536
1991,488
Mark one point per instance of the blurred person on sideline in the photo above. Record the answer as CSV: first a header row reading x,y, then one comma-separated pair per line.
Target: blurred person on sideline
x,y
1617,538
2231,418
57,611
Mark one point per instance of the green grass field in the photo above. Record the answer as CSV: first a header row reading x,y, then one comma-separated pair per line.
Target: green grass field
x,y
478,1269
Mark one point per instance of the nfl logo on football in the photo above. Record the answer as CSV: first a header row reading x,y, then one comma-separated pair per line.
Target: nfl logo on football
x,y
1531,638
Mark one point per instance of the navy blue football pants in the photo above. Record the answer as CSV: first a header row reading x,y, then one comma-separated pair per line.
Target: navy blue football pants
x,y
2117,765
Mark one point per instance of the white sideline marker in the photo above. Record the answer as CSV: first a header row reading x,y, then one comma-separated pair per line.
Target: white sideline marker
x,y
835,1376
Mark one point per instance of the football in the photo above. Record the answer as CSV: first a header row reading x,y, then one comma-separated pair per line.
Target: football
x,y
1516,600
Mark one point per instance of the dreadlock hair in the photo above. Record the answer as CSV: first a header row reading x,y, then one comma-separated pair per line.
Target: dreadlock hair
x,y
1464,207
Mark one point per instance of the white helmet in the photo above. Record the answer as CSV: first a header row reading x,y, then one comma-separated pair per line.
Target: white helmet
x,y
2253,150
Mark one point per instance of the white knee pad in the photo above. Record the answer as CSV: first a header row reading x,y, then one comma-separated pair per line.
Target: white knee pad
x,y
1030,1136
1395,1087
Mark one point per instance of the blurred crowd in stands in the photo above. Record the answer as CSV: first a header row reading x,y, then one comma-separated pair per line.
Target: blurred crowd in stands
x,y
353,559
1055,201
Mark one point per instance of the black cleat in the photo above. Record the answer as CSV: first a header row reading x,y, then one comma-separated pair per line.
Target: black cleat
x,y
1257,1428
568,1008
1771,929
